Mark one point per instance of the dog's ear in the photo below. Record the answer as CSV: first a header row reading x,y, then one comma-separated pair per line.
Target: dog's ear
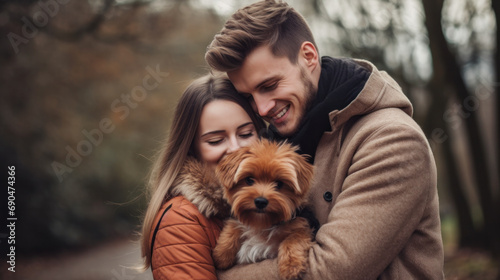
x,y
228,167
305,172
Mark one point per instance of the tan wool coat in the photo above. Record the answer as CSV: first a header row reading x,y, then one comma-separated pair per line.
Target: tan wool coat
x,y
374,194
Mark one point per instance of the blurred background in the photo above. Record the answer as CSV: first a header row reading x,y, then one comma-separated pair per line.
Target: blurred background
x,y
88,88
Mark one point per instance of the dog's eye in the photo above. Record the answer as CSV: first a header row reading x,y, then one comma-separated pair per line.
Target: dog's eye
x,y
279,185
249,181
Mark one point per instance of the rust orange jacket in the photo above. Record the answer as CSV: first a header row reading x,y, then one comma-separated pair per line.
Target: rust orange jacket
x,y
188,231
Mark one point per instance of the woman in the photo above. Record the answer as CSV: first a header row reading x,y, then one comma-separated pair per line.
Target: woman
x,y
186,209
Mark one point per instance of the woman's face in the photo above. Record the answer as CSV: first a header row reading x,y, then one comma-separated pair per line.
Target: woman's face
x,y
224,128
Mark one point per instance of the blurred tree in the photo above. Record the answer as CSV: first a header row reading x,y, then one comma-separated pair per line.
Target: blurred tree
x,y
448,75
495,4
65,66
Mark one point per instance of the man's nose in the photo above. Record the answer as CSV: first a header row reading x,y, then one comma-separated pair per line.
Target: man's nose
x,y
263,103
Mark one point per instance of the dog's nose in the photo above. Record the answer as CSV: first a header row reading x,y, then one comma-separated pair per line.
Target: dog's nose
x,y
261,202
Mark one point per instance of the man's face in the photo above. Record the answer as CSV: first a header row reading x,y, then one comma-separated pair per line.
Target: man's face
x,y
280,91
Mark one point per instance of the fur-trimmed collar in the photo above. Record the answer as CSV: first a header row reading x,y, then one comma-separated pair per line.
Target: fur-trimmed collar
x,y
198,184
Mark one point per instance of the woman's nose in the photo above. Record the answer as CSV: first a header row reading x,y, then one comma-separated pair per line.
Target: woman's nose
x,y
233,145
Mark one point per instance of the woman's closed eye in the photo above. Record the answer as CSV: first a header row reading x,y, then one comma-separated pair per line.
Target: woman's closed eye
x,y
247,134
215,142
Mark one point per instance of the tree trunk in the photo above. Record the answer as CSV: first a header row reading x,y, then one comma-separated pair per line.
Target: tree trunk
x,y
454,80
468,234
495,5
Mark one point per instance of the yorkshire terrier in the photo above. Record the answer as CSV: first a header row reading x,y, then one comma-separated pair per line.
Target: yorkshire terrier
x,y
265,184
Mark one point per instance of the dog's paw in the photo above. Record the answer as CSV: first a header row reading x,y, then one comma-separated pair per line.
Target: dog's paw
x,y
228,245
292,267
222,259
294,251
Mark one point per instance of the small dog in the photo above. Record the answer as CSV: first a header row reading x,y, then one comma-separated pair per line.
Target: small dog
x,y
265,184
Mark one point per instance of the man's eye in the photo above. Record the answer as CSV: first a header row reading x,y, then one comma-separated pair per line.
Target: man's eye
x,y
269,87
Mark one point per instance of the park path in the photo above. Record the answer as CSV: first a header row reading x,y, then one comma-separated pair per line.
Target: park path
x,y
111,261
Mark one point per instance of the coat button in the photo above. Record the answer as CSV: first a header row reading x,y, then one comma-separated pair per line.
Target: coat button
x,y
328,196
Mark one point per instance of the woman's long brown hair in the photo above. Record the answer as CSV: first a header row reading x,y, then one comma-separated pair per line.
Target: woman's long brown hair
x,y
179,144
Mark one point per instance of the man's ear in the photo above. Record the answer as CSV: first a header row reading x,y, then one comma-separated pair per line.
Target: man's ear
x,y
309,55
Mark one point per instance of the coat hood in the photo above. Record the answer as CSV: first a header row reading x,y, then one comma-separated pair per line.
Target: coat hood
x,y
380,92
198,184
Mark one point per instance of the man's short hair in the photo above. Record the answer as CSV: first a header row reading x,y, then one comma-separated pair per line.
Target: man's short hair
x,y
269,22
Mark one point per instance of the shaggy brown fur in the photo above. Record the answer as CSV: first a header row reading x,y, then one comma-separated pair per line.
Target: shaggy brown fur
x,y
197,183
265,184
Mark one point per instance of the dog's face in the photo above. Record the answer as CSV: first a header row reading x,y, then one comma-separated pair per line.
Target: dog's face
x,y
265,183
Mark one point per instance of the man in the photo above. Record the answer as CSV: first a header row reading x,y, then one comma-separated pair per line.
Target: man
x,y
374,192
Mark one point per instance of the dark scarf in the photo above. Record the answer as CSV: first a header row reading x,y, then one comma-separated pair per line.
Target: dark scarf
x,y
340,82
